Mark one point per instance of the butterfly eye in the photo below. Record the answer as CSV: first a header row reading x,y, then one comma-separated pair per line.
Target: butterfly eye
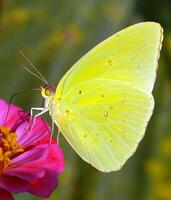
x,y
47,92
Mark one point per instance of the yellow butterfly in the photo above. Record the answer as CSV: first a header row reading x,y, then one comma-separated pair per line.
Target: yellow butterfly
x,y
103,103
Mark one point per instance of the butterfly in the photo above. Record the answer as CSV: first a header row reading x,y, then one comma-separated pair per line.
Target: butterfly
x,y
104,102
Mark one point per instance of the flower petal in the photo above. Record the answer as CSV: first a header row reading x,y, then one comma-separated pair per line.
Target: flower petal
x,y
5,195
9,114
49,157
3,111
25,172
13,184
39,130
44,186
36,154
55,160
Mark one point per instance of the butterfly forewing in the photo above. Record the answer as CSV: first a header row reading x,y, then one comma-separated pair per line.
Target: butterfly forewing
x,y
130,55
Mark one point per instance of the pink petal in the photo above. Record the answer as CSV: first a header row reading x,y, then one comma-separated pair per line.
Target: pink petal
x,y
44,156
44,186
36,154
39,130
9,114
25,172
13,184
55,160
3,111
46,140
5,195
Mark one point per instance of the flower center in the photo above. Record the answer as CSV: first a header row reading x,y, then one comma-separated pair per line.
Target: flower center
x,y
9,147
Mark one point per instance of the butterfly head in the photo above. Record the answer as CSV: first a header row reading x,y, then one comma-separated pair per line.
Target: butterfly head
x,y
47,91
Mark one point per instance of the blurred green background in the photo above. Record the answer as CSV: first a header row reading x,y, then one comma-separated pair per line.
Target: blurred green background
x,y
55,34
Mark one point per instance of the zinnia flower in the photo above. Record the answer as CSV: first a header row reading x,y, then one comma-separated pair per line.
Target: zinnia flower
x,y
28,163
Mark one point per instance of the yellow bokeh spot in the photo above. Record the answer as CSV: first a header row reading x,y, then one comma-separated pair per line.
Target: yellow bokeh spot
x,y
18,16
166,147
156,168
163,191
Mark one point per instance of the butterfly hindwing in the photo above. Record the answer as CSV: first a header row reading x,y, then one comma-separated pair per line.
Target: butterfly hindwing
x,y
105,121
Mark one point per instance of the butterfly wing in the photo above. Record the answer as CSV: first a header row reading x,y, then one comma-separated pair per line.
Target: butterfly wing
x,y
104,102
130,55
104,123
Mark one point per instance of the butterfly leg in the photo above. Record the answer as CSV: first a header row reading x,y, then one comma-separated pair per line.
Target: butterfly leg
x,y
39,114
31,124
52,129
57,138
36,109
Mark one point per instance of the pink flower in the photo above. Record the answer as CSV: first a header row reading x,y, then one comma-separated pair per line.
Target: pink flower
x,y
28,163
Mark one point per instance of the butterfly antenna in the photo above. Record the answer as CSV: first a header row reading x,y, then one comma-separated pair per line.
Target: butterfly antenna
x,y
31,64
28,70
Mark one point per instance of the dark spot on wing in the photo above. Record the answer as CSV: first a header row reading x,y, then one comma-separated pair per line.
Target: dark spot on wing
x,y
67,111
110,62
111,107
